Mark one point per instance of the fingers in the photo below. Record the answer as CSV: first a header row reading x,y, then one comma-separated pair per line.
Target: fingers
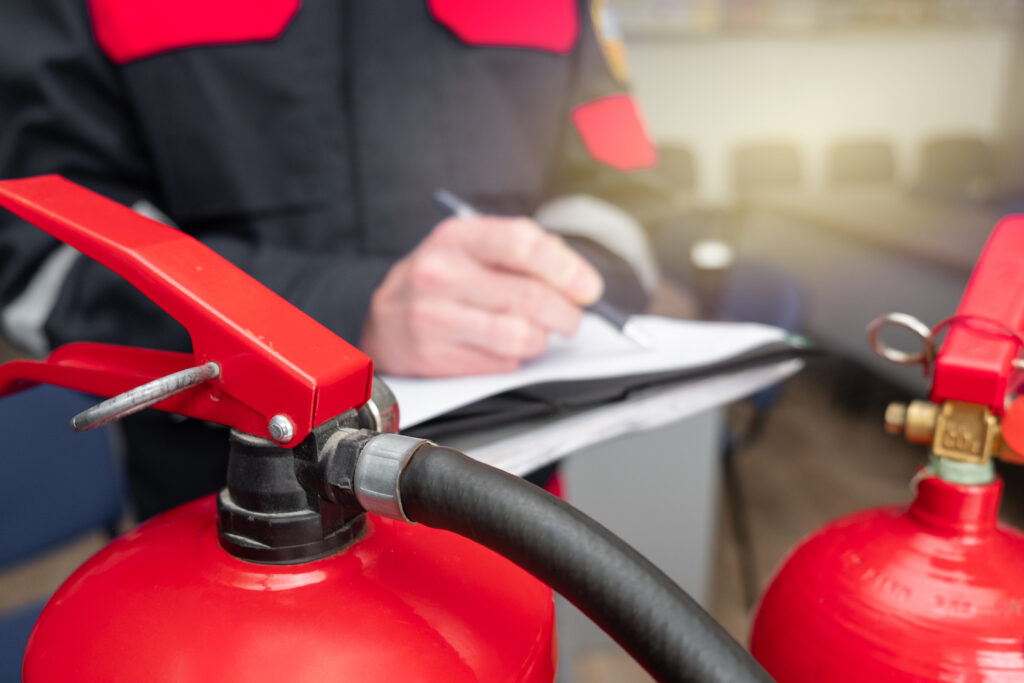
x,y
420,338
499,334
479,286
477,296
460,278
522,246
525,297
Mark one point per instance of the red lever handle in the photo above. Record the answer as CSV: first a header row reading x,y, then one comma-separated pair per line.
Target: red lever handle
x,y
985,336
274,359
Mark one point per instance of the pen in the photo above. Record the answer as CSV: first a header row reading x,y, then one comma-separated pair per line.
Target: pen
x,y
618,319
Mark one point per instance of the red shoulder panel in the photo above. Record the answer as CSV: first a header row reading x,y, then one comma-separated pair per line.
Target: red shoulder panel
x,y
614,133
551,25
127,30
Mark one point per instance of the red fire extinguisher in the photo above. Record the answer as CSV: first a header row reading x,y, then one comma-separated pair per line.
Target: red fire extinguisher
x,y
933,592
306,567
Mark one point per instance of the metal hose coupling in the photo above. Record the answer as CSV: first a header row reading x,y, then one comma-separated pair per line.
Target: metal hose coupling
x,y
358,469
378,472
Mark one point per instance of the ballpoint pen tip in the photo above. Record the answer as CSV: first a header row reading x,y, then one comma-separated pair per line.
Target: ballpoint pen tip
x,y
637,335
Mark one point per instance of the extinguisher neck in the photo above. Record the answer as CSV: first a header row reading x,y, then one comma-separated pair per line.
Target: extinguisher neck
x,y
294,505
964,473
957,508
266,515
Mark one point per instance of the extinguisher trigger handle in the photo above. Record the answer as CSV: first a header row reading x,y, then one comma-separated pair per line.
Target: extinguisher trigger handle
x,y
281,372
986,334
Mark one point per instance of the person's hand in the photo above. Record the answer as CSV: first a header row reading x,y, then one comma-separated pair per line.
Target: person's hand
x,y
477,295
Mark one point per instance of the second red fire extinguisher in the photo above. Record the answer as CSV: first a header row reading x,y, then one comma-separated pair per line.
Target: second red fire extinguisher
x,y
933,591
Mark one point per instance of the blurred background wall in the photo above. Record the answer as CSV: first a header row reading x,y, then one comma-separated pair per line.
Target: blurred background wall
x,y
712,75
712,94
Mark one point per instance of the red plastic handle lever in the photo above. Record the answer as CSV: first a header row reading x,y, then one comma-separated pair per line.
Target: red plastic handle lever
x,y
975,361
274,359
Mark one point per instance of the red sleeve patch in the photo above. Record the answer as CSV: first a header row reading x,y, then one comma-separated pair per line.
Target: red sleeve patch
x,y
614,133
551,25
127,30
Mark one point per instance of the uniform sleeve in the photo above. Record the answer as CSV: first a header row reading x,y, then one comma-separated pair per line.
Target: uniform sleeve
x,y
605,188
62,111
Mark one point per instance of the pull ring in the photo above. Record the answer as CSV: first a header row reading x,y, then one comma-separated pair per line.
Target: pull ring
x,y
924,357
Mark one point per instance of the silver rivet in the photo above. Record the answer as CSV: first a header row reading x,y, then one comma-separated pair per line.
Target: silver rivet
x,y
281,429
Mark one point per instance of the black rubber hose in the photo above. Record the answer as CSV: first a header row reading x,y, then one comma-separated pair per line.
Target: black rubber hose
x,y
650,616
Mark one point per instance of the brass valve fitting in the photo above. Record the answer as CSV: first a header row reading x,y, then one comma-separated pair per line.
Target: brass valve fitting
x,y
917,420
967,432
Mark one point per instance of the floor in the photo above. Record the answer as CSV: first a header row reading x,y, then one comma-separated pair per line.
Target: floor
x,y
823,453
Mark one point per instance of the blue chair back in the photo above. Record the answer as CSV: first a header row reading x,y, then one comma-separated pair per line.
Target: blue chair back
x,y
762,293
56,484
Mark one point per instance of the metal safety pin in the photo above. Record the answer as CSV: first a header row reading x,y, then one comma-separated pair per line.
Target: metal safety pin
x,y
143,396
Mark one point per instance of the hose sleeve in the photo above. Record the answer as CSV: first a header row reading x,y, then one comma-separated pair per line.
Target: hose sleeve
x,y
650,616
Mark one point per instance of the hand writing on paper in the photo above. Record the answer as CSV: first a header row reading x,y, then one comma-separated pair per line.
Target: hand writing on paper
x,y
477,295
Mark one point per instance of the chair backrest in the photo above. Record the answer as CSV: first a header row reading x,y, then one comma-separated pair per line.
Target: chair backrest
x,y
760,292
54,484
860,162
676,165
958,167
765,165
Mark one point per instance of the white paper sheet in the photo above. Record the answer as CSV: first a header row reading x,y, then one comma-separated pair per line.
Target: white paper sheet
x,y
598,350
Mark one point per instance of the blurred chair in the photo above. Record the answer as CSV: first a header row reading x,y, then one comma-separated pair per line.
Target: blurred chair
x,y
684,219
762,293
745,290
56,485
765,166
677,166
860,162
740,290
958,167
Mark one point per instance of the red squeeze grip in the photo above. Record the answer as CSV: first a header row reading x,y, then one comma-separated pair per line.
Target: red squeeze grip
x,y
274,358
974,363
1013,432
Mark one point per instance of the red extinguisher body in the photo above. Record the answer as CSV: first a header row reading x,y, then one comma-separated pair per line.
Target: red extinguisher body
x,y
930,593
405,603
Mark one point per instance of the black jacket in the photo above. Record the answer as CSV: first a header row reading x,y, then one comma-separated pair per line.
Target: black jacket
x,y
308,159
